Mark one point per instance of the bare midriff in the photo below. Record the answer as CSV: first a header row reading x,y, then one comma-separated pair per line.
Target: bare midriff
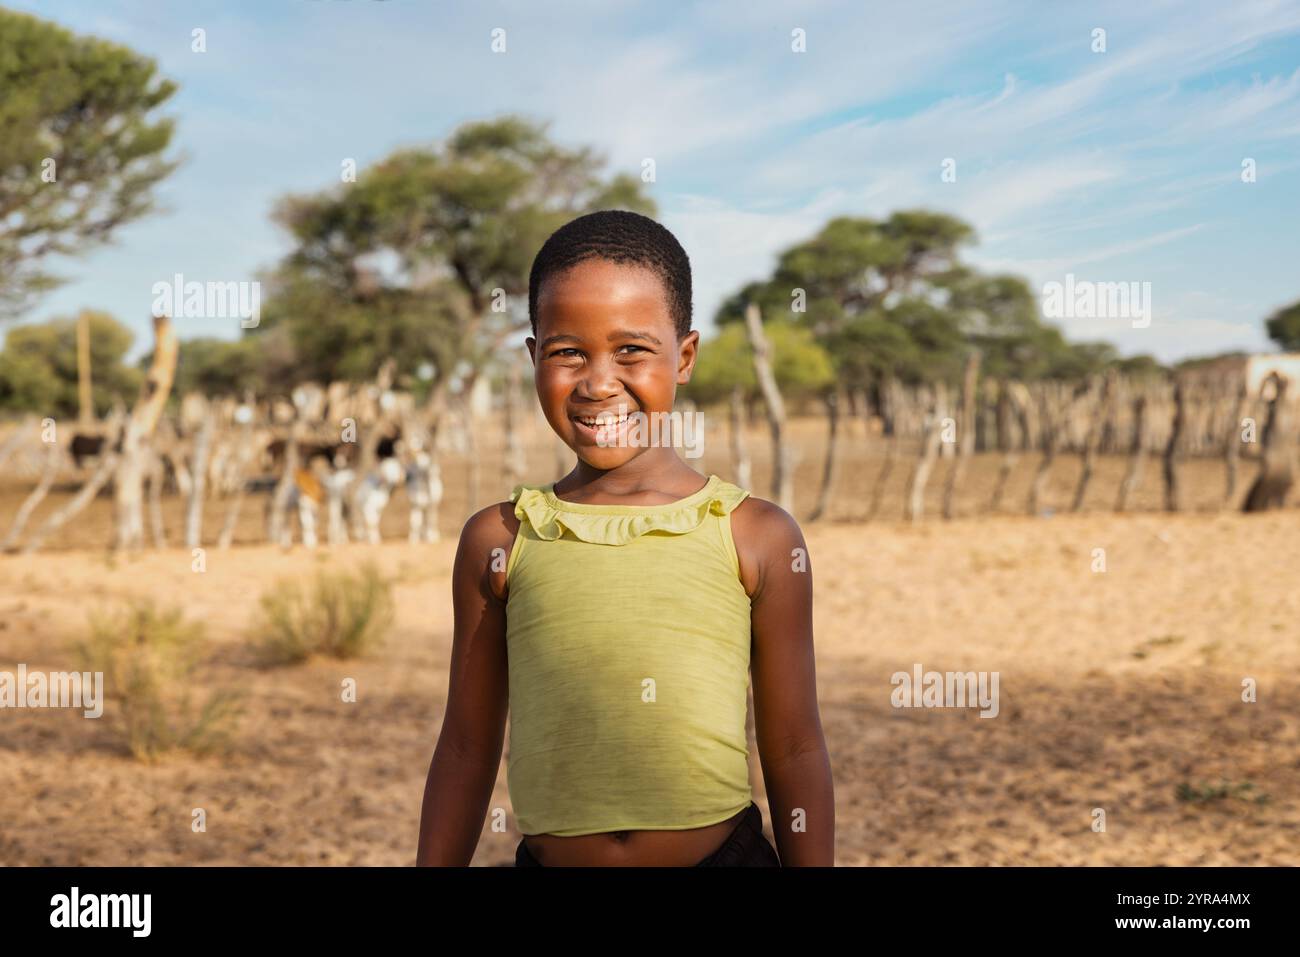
x,y
632,848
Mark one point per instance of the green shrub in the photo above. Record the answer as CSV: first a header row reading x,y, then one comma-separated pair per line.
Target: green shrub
x,y
149,659
1209,793
339,614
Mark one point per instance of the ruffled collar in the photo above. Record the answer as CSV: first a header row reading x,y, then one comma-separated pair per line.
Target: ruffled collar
x,y
551,516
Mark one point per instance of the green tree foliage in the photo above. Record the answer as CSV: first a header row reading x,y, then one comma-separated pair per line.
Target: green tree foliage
x,y
999,316
1075,361
856,265
218,367
312,331
1284,327
406,261
866,289
38,366
861,264
86,105
891,299
1141,367
871,347
801,366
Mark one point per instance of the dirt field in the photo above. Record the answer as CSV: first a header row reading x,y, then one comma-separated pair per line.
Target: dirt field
x,y
1120,690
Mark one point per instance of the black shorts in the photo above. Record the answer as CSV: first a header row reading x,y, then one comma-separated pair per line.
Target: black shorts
x,y
746,847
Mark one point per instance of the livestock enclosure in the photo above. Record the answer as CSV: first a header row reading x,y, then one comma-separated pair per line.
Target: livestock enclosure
x,y
1098,670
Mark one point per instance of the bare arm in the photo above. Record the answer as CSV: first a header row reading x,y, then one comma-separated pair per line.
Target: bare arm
x,y
777,573
468,754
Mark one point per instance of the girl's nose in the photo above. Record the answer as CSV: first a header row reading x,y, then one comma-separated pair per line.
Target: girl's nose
x,y
600,380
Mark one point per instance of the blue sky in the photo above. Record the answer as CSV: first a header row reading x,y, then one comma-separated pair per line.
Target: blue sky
x,y
1123,165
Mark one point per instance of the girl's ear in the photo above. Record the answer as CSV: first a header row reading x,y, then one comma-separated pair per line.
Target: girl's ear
x,y
687,351
532,349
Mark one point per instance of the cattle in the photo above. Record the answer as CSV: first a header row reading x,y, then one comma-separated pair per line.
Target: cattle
x,y
261,483
331,452
306,495
424,493
86,447
336,486
335,454
386,447
372,493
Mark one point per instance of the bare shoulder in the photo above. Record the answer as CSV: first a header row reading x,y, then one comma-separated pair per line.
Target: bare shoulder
x,y
489,525
766,536
485,544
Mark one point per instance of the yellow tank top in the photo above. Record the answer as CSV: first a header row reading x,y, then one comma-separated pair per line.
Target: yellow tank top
x,y
627,631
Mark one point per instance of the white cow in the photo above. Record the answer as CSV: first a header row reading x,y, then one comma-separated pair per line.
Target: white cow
x,y
336,486
372,494
424,492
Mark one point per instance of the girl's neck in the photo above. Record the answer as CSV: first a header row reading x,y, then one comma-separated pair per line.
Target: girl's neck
x,y
656,472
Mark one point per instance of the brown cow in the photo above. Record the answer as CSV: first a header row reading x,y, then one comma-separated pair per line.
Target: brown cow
x,y
86,447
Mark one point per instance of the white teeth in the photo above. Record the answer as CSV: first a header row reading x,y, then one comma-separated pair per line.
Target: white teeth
x,y
602,421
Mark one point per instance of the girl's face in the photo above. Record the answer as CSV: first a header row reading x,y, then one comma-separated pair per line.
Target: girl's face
x,y
606,345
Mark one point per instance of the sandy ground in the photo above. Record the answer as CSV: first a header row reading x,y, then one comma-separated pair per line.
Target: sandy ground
x,y
1116,687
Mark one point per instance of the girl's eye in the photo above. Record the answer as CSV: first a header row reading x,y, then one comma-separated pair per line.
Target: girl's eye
x,y
566,353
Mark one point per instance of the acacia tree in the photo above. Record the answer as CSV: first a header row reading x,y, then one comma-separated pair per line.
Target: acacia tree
x,y
80,147
891,302
38,365
861,284
426,256
867,289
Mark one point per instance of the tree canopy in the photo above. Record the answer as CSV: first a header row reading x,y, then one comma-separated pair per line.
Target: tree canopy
x,y
1284,327
426,256
80,147
38,366
218,367
892,298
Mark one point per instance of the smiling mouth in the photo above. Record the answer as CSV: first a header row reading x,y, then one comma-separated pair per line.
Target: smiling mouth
x,y
602,420
603,427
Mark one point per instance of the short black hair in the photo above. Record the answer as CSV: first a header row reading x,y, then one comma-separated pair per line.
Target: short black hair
x,y
620,236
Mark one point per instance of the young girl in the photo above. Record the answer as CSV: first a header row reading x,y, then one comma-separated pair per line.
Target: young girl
x,y
619,613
